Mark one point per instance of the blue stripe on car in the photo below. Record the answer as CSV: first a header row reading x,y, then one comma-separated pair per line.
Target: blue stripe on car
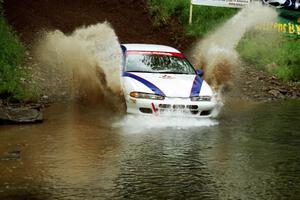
x,y
123,49
124,56
197,84
150,85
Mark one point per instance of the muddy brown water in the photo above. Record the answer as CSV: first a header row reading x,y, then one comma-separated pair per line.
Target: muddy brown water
x,y
251,151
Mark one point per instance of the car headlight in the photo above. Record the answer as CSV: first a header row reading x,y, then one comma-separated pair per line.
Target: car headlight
x,y
142,95
201,98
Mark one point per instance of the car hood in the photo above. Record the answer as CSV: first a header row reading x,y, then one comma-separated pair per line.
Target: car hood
x,y
171,85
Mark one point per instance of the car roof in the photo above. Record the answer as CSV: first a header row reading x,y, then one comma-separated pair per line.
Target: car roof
x,y
150,47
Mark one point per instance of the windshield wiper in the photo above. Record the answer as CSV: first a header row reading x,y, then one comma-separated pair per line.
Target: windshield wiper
x,y
140,71
158,72
168,72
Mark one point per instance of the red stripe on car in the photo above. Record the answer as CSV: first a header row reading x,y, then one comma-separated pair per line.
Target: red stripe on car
x,y
175,54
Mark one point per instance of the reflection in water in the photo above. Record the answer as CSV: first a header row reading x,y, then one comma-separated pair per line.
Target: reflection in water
x,y
72,157
166,166
250,152
85,150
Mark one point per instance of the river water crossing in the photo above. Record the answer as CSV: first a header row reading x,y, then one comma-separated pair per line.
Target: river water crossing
x,y
251,151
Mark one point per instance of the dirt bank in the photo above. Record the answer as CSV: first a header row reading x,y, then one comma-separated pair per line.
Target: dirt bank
x,y
132,23
129,18
253,84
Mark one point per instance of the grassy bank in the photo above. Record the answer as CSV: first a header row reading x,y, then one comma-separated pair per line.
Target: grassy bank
x,y
273,52
205,18
279,55
13,78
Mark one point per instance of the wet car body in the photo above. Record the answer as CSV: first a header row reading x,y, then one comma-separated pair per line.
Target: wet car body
x,y
159,80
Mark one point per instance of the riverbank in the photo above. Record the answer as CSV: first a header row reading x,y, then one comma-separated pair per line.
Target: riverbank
x,y
254,84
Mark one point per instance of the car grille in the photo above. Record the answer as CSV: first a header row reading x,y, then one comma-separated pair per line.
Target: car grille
x,y
192,109
179,108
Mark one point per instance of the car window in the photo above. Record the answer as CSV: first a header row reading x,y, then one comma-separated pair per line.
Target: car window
x,y
158,64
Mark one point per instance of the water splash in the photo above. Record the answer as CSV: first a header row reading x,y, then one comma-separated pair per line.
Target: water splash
x,y
146,124
216,53
86,62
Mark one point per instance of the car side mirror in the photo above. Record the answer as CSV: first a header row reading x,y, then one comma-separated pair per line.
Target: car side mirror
x,y
199,72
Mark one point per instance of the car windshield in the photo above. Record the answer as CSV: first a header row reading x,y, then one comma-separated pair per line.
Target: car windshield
x,y
152,63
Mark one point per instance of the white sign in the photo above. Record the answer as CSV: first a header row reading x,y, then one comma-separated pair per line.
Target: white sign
x,y
222,3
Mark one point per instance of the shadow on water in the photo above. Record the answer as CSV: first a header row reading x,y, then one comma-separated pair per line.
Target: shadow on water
x,y
250,152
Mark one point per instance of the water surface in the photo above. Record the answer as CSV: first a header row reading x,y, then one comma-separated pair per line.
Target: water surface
x,y
250,152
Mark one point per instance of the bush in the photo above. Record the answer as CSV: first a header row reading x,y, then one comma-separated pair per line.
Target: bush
x,y
11,65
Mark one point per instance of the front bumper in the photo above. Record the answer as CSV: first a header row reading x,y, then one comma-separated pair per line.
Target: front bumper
x,y
170,107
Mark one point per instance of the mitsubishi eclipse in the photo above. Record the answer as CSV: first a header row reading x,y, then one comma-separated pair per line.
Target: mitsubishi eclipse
x,y
159,80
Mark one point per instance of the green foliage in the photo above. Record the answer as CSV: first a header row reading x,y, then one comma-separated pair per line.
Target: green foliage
x,y
278,54
273,52
205,18
162,10
11,65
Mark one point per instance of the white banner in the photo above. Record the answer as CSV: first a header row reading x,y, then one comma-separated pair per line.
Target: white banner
x,y
222,3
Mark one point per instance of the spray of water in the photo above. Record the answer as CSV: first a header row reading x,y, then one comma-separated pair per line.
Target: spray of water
x,y
138,124
216,53
86,62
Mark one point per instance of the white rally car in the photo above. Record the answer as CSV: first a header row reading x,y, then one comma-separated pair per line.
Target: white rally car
x,y
159,80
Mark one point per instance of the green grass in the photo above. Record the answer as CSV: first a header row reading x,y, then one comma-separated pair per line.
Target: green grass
x,y
274,52
205,18
278,54
12,55
162,10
